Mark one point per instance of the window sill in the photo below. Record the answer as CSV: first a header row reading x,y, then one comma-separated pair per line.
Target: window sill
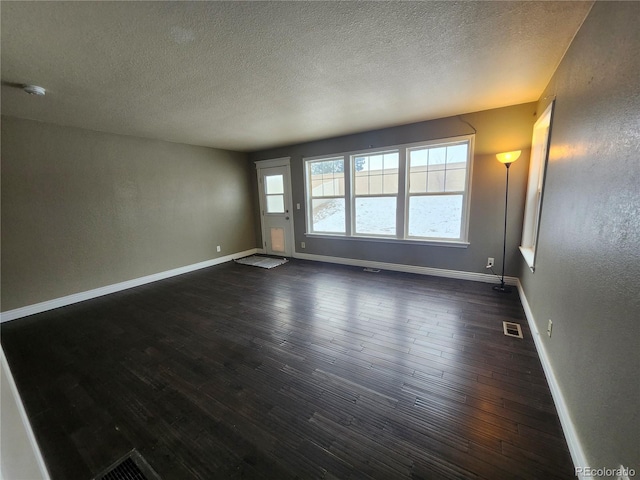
x,y
529,257
432,243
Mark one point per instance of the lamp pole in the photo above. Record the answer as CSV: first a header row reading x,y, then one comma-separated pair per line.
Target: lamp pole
x,y
502,287
507,159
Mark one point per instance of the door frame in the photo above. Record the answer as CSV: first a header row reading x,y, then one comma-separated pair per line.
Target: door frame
x,y
276,162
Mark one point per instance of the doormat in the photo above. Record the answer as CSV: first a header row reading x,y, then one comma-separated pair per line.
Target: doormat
x,y
262,262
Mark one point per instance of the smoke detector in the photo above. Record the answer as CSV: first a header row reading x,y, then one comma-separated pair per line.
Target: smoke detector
x,y
34,90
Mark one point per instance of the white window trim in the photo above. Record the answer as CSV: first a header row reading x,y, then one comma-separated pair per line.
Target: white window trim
x,y
540,144
401,216
306,162
274,162
353,197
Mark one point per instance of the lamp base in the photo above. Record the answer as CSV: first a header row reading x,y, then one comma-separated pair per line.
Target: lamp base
x,y
502,288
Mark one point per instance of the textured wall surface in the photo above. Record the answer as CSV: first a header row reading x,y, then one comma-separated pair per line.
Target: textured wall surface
x,y
82,209
587,277
498,130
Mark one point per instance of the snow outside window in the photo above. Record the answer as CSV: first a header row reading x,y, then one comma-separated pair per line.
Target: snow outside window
x,y
326,203
375,179
416,192
437,183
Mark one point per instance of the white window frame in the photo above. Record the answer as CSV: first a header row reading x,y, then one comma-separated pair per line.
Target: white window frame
x,y
535,187
466,193
308,162
402,223
355,196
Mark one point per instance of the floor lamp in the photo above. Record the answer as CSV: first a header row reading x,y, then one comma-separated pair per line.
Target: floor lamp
x,y
507,159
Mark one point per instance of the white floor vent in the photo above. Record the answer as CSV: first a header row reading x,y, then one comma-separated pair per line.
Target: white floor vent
x,y
512,329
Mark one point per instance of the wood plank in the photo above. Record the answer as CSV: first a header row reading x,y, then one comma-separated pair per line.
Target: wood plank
x,y
308,370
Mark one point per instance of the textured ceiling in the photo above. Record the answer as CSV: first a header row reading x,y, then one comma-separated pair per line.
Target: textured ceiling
x,y
252,75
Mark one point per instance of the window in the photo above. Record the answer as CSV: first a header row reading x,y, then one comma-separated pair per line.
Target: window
x,y
326,205
417,192
535,186
375,193
437,185
274,193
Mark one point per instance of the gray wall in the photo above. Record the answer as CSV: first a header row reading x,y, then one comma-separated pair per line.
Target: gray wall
x,y
498,130
83,209
587,277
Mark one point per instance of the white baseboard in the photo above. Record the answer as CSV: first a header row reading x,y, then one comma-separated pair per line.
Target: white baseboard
x,y
31,455
573,442
98,292
397,267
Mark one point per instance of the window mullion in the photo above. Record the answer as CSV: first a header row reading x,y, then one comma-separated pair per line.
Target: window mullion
x,y
348,200
401,202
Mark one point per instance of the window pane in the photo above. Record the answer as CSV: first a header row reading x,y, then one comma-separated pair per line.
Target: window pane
x,y
418,159
275,203
457,156
362,185
328,215
435,181
375,164
437,216
390,161
376,174
328,186
376,216
437,158
274,184
375,184
390,183
327,178
455,180
418,182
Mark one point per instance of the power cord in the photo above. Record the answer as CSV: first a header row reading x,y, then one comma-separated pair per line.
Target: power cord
x,y
490,267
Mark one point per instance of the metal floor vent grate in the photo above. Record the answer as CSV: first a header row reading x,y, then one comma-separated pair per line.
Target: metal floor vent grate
x,y
512,329
131,467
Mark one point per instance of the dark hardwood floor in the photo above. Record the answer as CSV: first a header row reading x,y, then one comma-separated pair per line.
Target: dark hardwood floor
x,y
307,370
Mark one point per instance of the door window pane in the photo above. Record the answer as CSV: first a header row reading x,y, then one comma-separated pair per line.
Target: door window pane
x,y
274,184
275,203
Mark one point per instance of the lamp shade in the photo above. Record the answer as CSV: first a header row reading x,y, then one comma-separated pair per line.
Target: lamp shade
x,y
508,157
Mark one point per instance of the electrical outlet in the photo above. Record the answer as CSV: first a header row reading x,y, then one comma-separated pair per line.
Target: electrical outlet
x,y
491,262
302,244
549,326
218,248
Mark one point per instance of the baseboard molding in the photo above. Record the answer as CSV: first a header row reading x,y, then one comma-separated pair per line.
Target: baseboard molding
x,y
35,453
397,267
99,292
573,441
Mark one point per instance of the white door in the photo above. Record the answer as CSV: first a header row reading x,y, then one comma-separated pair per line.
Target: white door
x,y
275,205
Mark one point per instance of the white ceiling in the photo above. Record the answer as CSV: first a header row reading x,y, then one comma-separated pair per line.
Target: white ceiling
x,y
251,75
